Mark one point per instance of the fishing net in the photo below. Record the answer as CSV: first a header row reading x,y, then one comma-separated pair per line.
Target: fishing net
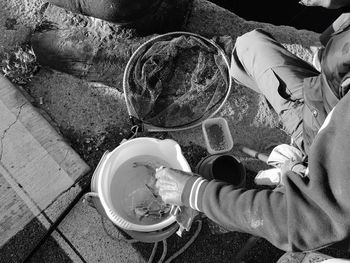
x,y
176,81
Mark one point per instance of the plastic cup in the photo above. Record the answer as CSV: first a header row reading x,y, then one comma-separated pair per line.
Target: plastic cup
x,y
217,135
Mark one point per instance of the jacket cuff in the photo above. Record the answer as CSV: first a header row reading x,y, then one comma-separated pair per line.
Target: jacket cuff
x,y
193,192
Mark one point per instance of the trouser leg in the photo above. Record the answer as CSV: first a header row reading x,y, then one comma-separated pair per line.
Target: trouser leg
x,y
264,65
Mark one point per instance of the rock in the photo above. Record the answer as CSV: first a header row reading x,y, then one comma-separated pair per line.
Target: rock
x,y
97,51
93,49
85,47
116,11
17,19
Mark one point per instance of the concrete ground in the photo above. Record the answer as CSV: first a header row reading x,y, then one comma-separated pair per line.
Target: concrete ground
x,y
91,114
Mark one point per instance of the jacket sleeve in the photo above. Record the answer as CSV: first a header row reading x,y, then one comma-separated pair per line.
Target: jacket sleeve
x,y
309,213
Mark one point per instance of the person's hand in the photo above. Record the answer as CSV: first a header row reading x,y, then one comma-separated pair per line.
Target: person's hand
x,y
330,4
294,166
170,184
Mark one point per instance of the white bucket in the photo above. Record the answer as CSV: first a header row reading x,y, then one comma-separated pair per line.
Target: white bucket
x,y
116,210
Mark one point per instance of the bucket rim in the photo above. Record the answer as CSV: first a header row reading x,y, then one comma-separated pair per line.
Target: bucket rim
x,y
113,215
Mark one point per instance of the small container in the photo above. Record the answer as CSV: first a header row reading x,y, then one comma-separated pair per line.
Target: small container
x,y
223,167
217,135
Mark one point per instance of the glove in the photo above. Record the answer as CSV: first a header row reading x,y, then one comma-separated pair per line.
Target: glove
x,y
284,158
282,153
170,184
330,4
295,166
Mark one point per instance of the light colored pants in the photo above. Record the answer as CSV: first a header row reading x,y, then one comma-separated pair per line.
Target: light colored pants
x,y
264,65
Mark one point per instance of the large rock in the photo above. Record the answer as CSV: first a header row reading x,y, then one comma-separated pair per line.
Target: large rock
x,y
117,11
96,52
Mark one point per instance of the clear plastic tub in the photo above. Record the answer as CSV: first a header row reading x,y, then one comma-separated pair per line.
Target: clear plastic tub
x,y
217,135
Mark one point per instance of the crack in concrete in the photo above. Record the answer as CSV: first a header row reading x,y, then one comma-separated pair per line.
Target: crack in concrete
x,y
64,158
2,137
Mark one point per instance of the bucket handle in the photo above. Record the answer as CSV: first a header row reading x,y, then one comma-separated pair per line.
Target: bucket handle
x,y
88,199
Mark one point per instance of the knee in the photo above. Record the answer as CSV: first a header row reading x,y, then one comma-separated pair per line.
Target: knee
x,y
251,38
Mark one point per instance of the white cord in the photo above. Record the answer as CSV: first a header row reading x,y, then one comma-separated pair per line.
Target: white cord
x,y
153,253
165,244
189,242
165,251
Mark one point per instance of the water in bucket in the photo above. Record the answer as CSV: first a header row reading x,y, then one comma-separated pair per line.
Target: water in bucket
x,y
122,182
142,203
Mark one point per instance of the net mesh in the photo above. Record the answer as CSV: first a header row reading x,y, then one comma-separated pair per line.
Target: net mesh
x,y
176,81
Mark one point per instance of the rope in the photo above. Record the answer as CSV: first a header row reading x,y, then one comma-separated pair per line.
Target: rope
x,y
150,260
134,131
119,238
189,242
154,250
248,246
165,251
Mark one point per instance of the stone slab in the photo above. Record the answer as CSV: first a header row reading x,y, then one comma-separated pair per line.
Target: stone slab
x,y
36,167
56,249
95,238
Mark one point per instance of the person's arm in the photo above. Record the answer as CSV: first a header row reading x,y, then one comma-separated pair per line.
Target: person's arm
x,y
306,214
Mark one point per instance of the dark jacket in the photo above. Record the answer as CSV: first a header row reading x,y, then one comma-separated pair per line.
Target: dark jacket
x,y
323,92
308,213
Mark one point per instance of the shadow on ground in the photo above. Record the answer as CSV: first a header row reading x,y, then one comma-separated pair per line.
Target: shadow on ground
x,y
277,12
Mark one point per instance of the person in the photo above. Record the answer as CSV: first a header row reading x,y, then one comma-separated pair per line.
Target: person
x,y
312,209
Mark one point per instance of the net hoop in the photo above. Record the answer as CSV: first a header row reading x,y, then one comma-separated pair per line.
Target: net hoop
x,y
152,128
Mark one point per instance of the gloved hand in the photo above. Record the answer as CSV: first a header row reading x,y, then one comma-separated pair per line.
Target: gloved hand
x,y
330,4
282,153
170,184
284,158
295,166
